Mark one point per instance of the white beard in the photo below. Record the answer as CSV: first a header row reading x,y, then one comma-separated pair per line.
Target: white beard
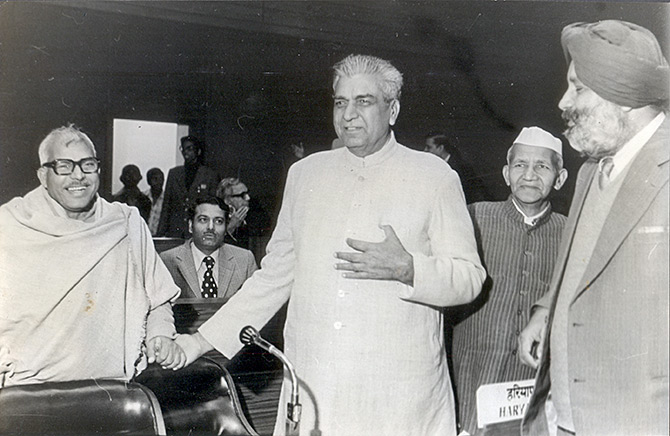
x,y
599,131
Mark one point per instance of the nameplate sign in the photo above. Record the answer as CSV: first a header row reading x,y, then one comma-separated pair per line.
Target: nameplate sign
x,y
502,402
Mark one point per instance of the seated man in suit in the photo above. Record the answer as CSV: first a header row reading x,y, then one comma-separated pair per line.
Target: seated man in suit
x,y
204,266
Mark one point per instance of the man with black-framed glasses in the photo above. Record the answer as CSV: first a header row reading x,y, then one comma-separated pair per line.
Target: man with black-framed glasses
x,y
83,293
249,222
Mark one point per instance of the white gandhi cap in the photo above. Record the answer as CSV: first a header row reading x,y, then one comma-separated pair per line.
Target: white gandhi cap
x,y
536,137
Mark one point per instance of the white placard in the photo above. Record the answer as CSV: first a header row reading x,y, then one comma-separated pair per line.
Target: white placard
x,y
502,402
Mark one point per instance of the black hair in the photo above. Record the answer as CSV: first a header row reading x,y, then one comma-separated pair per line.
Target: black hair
x,y
195,141
155,171
208,199
441,138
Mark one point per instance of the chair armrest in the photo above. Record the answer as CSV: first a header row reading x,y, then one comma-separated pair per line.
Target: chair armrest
x,y
198,399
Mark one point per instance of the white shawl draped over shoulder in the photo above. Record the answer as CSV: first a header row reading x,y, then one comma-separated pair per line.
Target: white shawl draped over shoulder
x,y
78,298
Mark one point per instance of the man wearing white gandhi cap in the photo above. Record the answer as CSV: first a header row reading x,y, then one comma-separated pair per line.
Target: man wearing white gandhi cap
x,y
518,242
601,331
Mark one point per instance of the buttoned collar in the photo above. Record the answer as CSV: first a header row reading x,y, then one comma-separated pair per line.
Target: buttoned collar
x,y
515,212
375,158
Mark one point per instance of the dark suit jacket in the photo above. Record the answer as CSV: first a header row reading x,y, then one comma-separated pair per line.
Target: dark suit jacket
x,y
235,266
618,319
174,219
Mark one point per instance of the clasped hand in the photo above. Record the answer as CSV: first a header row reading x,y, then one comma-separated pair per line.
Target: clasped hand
x,y
165,352
386,260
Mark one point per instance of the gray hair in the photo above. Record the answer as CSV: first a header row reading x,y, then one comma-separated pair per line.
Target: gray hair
x,y
63,135
225,185
390,79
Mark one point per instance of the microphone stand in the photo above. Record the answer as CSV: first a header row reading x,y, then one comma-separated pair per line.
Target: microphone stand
x,y
249,335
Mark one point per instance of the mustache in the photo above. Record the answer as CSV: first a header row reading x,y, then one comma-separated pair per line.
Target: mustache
x,y
570,115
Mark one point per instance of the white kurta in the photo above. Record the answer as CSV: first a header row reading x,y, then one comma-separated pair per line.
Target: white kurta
x,y
370,354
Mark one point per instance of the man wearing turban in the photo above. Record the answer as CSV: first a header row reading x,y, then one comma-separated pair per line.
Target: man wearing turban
x,y
599,337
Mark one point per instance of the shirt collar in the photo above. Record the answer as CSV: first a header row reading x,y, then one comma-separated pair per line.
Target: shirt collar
x,y
630,149
198,255
530,220
375,158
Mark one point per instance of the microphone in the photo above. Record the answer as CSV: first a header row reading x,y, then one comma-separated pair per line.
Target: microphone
x,y
249,335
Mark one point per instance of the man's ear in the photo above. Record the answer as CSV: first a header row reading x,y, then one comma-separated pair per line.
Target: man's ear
x,y
560,180
395,111
190,226
42,175
505,173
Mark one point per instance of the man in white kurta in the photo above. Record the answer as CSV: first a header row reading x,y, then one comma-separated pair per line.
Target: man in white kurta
x,y
369,353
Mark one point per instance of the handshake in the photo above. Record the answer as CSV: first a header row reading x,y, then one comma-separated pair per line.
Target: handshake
x,y
178,353
168,353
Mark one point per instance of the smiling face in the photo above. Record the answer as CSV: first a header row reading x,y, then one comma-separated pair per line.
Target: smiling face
x,y
596,127
361,116
208,227
75,192
531,174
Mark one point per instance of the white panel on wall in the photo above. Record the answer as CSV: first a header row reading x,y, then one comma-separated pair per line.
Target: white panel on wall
x,y
146,144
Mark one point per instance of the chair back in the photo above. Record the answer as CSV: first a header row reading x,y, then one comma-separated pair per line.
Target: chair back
x,y
162,244
198,399
82,407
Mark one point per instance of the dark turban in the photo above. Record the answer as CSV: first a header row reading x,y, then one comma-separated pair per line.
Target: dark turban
x,y
621,62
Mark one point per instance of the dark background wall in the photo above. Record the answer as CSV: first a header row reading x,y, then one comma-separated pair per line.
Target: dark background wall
x,y
251,77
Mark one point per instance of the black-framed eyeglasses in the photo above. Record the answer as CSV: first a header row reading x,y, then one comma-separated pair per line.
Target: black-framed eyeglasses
x,y
241,194
65,167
